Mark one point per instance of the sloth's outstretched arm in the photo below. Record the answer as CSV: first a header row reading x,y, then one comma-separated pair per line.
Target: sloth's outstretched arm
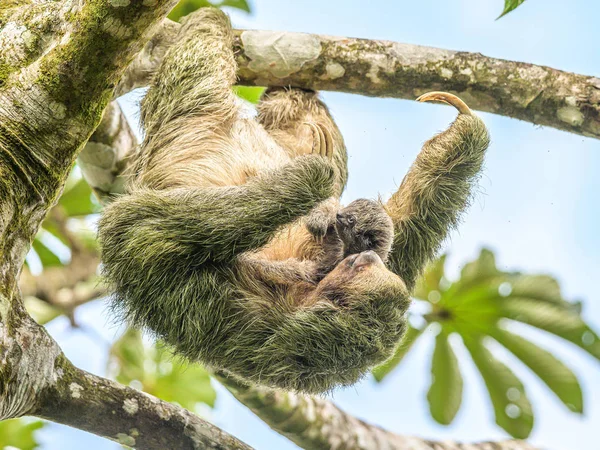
x,y
190,102
193,225
195,77
436,190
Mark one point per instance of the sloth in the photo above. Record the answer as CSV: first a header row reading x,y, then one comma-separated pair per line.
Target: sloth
x,y
361,226
214,246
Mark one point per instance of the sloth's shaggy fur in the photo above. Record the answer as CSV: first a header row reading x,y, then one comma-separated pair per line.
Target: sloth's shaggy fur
x,y
209,249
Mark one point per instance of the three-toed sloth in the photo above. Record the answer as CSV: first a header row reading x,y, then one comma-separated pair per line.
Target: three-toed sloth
x,y
230,243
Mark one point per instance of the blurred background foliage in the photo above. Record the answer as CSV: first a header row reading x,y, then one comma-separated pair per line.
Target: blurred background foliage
x,y
481,310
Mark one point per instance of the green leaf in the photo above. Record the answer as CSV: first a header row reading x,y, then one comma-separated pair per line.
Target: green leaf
x,y
557,376
185,383
510,5
511,406
562,322
185,7
238,4
47,256
160,373
19,433
445,392
406,344
41,311
78,200
249,93
482,269
430,280
543,288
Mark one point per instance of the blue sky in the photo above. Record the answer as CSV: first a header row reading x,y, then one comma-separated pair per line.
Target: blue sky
x,y
537,207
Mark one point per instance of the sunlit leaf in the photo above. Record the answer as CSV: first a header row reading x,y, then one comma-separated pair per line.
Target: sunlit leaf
x,y
47,256
481,269
238,4
249,93
558,377
445,392
510,5
156,371
185,7
557,320
409,339
78,200
511,406
41,311
476,306
430,280
19,433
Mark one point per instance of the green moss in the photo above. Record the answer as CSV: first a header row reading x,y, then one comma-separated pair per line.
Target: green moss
x,y
5,71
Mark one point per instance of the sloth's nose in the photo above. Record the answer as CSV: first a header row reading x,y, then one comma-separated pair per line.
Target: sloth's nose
x,y
367,258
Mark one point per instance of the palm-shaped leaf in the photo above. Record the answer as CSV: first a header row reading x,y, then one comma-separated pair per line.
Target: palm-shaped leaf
x,y
557,376
477,307
445,392
511,406
409,339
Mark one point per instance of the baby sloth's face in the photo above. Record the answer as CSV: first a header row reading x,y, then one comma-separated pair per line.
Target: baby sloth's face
x,y
364,225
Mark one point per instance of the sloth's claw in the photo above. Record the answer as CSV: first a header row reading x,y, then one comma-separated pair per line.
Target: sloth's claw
x,y
322,140
447,98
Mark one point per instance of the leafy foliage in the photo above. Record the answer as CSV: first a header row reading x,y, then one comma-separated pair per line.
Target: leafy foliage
x,y
76,203
157,372
445,393
185,7
510,5
19,433
249,93
480,307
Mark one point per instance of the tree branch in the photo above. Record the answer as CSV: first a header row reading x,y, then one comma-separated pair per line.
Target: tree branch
x,y
315,423
126,415
536,94
106,156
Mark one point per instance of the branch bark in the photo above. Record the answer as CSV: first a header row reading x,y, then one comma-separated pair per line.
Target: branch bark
x,y
536,94
126,415
315,423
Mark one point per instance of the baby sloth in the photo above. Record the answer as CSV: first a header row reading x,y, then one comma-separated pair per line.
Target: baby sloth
x,y
361,226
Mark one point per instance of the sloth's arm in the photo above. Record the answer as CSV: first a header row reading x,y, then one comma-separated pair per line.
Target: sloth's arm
x,y
196,225
193,82
436,190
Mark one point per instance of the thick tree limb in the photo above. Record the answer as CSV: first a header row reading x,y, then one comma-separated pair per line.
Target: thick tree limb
x,y
315,423
126,415
536,94
106,156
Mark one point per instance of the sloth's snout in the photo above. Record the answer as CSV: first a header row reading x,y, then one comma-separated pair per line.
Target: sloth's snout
x,y
365,259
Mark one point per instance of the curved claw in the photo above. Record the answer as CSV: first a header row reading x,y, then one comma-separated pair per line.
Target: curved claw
x,y
322,140
447,98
